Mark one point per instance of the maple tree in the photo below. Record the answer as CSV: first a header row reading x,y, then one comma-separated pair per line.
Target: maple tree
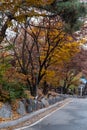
x,y
79,62
69,77
33,54
37,47
61,68
74,70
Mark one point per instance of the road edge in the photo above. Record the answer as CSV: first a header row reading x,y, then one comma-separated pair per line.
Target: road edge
x,y
29,116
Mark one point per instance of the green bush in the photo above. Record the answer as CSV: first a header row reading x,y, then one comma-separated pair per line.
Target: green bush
x,y
12,85
11,91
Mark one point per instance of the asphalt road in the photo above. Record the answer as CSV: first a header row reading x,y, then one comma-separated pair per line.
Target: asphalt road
x,y
71,117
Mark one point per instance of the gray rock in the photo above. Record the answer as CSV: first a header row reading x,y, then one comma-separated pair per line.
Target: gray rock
x,y
29,109
35,105
5,111
29,101
50,100
45,102
21,108
39,105
54,100
31,105
24,101
63,96
59,98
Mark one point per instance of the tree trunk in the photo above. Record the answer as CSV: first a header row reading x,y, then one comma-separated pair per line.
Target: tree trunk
x,y
34,92
45,88
32,88
64,87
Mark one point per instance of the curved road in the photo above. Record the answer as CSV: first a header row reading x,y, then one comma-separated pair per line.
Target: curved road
x,y
71,117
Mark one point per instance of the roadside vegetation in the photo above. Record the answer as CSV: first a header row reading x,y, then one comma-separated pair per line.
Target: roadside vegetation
x,y
38,47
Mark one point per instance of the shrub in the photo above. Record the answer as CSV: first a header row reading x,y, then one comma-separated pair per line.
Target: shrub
x,y
12,85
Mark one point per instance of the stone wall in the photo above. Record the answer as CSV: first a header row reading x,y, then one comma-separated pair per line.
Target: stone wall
x,y
28,105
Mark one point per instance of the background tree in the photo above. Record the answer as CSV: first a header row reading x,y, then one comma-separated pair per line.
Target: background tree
x,y
18,11
61,68
69,11
79,62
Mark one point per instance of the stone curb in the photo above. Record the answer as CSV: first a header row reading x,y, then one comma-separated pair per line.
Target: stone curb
x,y
29,116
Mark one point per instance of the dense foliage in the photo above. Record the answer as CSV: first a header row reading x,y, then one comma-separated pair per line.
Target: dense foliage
x,y
41,47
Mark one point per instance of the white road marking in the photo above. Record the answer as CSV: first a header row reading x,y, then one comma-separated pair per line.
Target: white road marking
x,y
22,128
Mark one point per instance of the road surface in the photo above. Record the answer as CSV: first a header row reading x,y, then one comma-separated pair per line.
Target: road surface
x,y
71,117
